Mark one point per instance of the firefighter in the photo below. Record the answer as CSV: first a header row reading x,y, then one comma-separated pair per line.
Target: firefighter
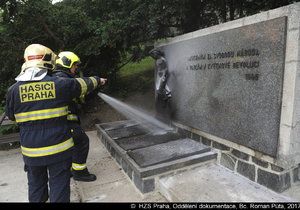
x,y
38,102
67,66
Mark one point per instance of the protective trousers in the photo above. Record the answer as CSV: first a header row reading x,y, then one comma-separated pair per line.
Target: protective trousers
x,y
59,182
81,147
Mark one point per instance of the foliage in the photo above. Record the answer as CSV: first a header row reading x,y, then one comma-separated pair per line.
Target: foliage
x,y
103,32
7,129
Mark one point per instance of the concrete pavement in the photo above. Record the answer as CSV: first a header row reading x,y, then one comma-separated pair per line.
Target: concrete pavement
x,y
112,185
208,183
202,184
13,179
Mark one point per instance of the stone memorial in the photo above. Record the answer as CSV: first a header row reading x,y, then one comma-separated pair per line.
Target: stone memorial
x,y
232,93
234,87
229,83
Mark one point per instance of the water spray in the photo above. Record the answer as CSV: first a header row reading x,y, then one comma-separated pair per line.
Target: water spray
x,y
148,122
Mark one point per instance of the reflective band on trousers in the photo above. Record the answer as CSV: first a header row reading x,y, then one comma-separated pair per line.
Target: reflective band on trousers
x,y
50,150
42,114
72,117
83,86
95,83
77,167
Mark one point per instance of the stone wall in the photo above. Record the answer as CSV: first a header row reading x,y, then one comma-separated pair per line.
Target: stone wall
x,y
264,172
283,167
288,145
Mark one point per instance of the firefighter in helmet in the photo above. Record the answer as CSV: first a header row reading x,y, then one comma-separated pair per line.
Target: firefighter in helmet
x,y
67,66
38,102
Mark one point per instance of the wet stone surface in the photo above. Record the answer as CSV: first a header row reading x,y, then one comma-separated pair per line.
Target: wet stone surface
x,y
147,140
126,132
161,153
148,149
117,124
143,155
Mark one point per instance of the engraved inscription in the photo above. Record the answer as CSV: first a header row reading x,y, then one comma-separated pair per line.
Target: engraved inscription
x,y
229,83
248,59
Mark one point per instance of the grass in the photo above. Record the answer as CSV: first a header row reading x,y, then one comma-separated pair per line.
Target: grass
x,y
141,67
136,77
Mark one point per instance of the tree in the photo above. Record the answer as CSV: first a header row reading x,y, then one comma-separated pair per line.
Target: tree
x,y
107,34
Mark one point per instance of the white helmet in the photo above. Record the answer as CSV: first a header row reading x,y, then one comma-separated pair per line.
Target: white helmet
x,y
38,60
37,55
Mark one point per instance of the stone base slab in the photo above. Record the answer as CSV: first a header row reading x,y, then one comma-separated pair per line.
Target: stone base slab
x,y
144,172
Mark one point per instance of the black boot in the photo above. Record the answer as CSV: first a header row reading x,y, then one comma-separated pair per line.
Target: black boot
x,y
83,175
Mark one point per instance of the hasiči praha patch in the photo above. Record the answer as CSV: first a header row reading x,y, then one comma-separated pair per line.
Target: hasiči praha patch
x,y
37,91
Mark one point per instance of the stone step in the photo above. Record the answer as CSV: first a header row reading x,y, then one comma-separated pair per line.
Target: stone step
x,y
144,157
214,183
165,152
9,138
117,124
126,131
137,142
9,141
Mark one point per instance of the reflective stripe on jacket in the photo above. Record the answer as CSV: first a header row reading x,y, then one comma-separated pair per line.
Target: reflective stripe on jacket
x,y
40,108
50,150
42,114
87,85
